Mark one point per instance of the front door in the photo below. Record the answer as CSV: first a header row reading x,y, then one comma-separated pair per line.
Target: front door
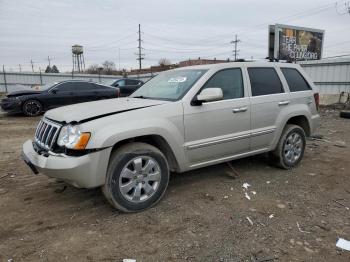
x,y
61,95
218,130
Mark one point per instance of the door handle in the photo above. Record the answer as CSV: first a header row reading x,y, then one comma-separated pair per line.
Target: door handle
x,y
309,101
283,103
240,109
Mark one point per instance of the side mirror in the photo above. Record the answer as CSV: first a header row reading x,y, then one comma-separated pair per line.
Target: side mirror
x,y
209,95
54,91
116,85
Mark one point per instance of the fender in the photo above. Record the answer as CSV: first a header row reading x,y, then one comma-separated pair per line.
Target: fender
x,y
108,131
285,115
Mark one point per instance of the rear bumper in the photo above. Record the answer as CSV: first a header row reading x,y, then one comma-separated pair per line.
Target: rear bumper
x,y
87,171
315,123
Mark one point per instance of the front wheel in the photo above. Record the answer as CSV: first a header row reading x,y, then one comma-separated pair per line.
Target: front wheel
x,y
137,177
290,149
32,107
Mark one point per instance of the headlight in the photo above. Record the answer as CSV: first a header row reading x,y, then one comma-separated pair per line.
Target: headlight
x,y
71,137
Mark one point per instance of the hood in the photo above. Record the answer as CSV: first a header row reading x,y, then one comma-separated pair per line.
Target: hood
x,y
92,110
23,93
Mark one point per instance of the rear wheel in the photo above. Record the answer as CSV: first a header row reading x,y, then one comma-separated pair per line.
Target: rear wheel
x,y
290,149
32,107
137,177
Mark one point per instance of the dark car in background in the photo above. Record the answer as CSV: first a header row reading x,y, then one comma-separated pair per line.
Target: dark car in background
x,y
34,102
127,86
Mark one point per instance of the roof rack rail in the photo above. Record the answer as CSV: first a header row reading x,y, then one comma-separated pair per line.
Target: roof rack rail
x,y
273,59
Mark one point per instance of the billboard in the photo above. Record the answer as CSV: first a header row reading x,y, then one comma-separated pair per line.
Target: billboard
x,y
294,43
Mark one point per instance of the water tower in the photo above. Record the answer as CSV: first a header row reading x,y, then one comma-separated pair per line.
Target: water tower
x,y
78,58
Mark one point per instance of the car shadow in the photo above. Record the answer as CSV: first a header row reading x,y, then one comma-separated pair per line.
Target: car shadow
x,y
93,198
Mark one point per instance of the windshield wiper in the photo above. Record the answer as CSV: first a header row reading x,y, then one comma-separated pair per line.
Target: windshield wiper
x,y
142,97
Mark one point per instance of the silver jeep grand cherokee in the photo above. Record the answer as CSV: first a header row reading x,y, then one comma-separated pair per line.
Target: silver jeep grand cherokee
x,y
180,120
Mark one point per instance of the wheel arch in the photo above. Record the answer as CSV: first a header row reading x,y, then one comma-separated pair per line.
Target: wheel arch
x,y
302,121
298,119
157,141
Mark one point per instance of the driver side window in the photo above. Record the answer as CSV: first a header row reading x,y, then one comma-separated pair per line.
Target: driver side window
x,y
65,87
230,81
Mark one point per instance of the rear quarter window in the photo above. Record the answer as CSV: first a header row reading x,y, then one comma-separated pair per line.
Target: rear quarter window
x,y
295,80
264,81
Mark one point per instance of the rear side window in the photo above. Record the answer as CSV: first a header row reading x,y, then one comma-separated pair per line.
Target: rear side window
x,y
264,81
295,80
83,86
64,87
230,81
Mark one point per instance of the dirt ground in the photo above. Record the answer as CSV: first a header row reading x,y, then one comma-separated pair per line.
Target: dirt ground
x,y
295,215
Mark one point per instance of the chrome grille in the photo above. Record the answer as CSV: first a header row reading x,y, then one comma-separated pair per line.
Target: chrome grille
x,y
46,133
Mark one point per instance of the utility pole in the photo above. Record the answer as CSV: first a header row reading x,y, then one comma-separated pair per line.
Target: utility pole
x,y
48,59
119,59
20,68
31,61
235,51
5,82
140,55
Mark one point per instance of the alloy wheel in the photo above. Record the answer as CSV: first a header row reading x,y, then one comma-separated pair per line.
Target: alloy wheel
x,y
293,147
139,179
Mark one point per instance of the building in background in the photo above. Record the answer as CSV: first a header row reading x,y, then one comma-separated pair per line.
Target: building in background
x,y
331,76
199,61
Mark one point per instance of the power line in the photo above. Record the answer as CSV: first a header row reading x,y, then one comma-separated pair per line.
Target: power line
x,y
184,50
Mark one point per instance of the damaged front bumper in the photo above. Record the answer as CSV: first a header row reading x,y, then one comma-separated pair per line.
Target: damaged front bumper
x,y
86,171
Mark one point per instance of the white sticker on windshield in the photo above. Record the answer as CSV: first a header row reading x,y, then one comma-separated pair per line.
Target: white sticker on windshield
x,y
178,79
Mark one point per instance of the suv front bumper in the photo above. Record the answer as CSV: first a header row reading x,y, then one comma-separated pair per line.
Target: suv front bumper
x,y
87,171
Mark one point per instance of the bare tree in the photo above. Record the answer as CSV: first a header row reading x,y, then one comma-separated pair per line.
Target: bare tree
x,y
92,69
164,62
108,67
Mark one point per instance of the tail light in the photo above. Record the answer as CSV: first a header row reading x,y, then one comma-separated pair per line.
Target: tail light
x,y
317,100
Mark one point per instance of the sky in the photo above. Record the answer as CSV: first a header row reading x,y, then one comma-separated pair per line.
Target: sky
x,y
173,29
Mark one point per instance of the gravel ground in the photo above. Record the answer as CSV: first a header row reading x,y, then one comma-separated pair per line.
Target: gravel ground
x,y
295,215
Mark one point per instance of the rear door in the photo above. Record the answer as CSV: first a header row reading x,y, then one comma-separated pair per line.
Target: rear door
x,y
300,90
104,92
82,92
268,99
91,91
220,129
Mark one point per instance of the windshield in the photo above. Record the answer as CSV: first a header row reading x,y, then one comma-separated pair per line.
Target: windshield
x,y
47,86
110,82
169,85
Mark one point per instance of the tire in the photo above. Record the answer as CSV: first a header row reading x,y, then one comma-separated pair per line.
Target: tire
x,y
344,114
129,186
32,107
291,147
